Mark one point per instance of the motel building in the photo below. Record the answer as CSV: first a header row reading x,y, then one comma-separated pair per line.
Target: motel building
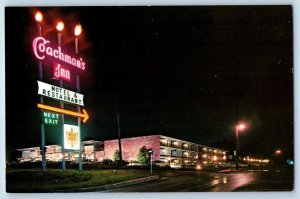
x,y
166,149
91,151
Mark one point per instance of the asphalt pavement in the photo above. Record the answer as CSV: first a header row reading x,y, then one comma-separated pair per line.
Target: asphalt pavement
x,y
205,181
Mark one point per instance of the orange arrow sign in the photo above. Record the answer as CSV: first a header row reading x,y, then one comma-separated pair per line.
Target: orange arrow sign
x,y
84,115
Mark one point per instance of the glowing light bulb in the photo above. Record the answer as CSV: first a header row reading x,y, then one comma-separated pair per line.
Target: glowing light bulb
x,y
77,30
38,16
60,26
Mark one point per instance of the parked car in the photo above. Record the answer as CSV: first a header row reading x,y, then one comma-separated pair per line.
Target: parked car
x,y
107,162
160,163
118,162
192,166
136,163
175,166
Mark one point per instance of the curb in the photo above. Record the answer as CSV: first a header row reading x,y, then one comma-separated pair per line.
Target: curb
x,y
115,185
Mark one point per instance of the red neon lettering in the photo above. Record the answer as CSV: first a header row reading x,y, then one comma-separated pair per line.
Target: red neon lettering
x,y
41,48
61,72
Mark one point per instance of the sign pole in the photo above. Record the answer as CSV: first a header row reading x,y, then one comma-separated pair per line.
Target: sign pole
x,y
43,148
63,162
78,109
42,101
79,125
61,84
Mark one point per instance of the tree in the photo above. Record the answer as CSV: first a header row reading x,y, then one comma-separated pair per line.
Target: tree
x,y
143,156
116,155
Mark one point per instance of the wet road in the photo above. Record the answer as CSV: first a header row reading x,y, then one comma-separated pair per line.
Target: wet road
x,y
202,181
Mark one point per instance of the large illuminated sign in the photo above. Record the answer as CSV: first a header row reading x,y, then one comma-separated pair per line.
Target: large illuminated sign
x,y
58,93
83,115
50,118
71,137
60,72
41,49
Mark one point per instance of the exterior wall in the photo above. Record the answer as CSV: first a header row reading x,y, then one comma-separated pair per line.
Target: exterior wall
x,y
31,155
209,155
178,151
166,149
90,152
183,152
99,156
131,147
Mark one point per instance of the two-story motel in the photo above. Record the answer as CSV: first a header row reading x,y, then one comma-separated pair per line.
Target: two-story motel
x,y
166,149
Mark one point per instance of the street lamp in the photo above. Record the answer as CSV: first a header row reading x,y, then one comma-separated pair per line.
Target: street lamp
x,y
278,152
237,128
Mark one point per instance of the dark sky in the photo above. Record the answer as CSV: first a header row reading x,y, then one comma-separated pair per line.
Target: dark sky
x,y
184,72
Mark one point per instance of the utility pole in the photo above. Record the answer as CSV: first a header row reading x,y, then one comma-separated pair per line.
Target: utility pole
x,y
119,133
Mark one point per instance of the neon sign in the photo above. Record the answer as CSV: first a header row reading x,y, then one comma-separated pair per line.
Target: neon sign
x,y
60,72
50,118
59,93
41,48
83,115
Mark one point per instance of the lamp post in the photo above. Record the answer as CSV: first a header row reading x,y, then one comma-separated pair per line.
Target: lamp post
x,y
59,27
237,128
151,154
39,18
77,32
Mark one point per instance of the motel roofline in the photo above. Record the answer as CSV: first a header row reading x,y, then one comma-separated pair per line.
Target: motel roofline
x,y
171,138
93,141
57,145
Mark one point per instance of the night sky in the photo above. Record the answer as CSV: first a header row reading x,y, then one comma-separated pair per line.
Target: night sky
x,y
184,72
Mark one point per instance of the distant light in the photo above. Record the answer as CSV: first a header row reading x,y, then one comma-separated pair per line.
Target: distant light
x,y
290,162
39,16
77,30
60,26
278,152
241,126
198,167
215,158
